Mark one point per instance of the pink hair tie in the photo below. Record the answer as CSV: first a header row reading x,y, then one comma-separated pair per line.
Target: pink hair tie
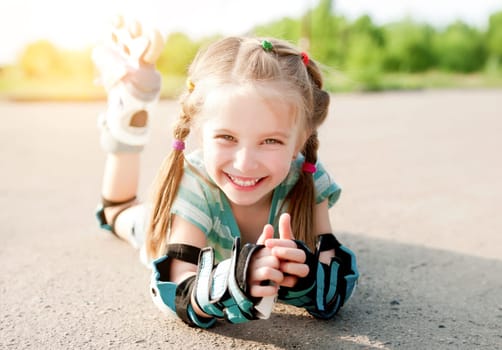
x,y
178,145
305,58
309,167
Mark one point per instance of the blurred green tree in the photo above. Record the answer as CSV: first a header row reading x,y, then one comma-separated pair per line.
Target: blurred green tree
x,y
77,64
287,28
460,48
177,54
349,51
364,52
408,47
494,41
41,60
364,25
322,43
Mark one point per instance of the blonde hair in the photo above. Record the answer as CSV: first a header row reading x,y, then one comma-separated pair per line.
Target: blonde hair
x,y
241,60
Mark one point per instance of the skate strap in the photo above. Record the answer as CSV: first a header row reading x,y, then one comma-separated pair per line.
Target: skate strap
x,y
183,252
143,83
105,203
175,299
327,286
184,308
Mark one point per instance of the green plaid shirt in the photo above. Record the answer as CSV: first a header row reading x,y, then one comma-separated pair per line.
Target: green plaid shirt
x,y
203,204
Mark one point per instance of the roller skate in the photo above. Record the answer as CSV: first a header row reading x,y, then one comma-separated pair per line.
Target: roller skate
x,y
126,66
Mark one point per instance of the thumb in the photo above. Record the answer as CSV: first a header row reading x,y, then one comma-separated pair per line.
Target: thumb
x,y
267,233
285,227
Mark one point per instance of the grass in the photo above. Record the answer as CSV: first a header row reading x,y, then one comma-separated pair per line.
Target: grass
x,y
13,87
407,81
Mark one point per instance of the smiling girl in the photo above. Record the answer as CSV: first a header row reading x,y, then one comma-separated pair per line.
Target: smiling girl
x,y
243,220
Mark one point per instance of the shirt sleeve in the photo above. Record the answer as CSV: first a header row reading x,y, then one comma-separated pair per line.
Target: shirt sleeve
x,y
326,187
191,202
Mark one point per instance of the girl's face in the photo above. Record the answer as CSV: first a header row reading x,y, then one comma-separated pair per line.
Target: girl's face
x,y
248,143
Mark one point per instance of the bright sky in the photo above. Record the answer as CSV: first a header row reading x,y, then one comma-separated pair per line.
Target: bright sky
x,y
76,24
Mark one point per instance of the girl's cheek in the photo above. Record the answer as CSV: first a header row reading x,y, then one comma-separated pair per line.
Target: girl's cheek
x,y
281,162
221,153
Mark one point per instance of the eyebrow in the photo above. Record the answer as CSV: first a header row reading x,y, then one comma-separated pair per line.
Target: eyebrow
x,y
284,134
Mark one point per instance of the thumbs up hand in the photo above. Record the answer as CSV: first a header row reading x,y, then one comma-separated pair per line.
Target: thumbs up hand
x,y
264,274
291,258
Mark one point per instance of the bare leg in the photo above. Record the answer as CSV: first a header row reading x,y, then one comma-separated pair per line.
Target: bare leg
x,y
120,184
121,175
127,71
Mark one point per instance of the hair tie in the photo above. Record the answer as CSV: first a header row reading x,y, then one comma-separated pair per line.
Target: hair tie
x,y
190,85
178,145
305,58
309,167
267,45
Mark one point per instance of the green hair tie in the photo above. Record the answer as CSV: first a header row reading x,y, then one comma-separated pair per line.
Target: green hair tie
x,y
267,45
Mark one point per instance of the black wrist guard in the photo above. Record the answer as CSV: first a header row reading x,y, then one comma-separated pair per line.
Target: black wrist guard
x,y
327,287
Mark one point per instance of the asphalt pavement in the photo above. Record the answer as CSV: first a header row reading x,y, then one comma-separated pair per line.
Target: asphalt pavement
x,y
421,174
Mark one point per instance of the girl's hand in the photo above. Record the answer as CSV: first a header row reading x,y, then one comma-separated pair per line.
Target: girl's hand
x,y
291,258
265,275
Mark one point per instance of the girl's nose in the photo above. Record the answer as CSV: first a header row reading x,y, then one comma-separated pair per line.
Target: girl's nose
x,y
245,159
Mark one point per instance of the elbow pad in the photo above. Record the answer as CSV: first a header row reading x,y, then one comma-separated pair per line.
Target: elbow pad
x,y
327,287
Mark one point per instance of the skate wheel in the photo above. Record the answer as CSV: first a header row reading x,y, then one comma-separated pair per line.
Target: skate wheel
x,y
118,21
134,29
156,44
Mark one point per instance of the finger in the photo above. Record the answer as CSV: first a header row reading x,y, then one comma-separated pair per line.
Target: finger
x,y
267,233
285,231
264,258
275,242
292,254
289,281
266,276
294,269
258,291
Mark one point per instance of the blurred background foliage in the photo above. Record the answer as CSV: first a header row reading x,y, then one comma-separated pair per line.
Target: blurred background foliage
x,y
355,55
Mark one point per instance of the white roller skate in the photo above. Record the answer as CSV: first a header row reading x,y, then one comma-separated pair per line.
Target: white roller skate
x,y
126,65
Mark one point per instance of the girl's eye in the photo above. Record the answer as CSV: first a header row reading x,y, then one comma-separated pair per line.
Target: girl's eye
x,y
272,142
228,138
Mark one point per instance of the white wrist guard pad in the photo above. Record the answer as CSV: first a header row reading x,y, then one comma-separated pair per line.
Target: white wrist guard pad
x,y
221,290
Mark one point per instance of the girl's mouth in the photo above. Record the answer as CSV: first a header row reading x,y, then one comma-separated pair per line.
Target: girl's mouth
x,y
244,182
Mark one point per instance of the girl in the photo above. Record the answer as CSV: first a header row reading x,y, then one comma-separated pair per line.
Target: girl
x,y
242,221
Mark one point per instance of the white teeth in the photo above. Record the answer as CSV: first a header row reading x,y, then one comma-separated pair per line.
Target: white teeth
x,y
243,183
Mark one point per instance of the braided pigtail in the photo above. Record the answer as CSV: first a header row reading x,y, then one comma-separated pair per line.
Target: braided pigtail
x,y
302,198
320,103
167,183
